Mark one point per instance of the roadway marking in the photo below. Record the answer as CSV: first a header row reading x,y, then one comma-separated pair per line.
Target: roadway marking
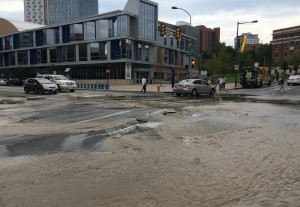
x,y
103,117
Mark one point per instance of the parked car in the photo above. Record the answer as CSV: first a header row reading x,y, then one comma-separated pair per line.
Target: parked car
x,y
61,81
3,82
293,80
14,82
40,85
194,87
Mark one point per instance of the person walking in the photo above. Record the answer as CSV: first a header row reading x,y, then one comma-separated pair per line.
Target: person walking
x,y
224,82
281,84
144,85
220,81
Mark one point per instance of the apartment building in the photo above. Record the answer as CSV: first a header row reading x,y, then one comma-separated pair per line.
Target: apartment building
x,y
285,41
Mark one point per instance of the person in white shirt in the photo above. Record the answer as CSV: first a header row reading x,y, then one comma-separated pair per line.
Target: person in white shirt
x,y
220,81
144,85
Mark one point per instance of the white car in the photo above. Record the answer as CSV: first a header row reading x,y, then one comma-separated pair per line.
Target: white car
x,y
3,82
61,81
293,80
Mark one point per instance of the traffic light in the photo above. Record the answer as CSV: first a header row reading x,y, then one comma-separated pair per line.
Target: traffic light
x,y
177,33
193,62
163,29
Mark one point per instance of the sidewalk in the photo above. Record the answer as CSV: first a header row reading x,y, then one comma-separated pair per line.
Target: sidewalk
x,y
165,88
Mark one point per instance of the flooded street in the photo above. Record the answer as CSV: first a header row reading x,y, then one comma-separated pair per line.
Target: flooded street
x,y
159,151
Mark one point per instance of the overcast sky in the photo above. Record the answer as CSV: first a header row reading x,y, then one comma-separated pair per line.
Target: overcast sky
x,y
271,14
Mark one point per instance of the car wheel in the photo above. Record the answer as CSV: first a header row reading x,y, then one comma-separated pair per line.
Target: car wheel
x,y
40,91
194,92
26,90
55,92
212,92
59,89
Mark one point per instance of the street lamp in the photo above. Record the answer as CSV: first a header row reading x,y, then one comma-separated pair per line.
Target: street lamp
x,y
237,45
174,7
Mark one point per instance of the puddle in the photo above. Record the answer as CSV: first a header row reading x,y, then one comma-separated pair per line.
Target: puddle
x,y
90,141
257,99
11,101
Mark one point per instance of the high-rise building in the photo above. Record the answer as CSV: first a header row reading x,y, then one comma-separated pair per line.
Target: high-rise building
x,y
208,38
49,12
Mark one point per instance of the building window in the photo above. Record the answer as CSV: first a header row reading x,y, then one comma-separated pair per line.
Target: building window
x,y
71,53
94,51
103,27
76,32
146,53
41,55
22,57
50,36
53,55
139,52
148,19
91,30
103,50
82,52
8,43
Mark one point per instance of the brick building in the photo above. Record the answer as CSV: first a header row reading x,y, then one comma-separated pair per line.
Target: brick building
x,y
208,38
285,42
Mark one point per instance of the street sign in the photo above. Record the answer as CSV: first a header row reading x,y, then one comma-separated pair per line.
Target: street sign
x,y
190,54
236,67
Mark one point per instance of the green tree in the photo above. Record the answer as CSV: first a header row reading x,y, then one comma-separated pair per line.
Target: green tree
x,y
294,60
264,55
284,66
219,60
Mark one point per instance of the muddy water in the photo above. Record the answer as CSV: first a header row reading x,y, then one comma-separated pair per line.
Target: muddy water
x,y
243,155
225,154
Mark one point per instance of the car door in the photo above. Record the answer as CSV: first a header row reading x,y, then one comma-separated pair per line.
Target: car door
x,y
29,85
205,89
197,85
36,86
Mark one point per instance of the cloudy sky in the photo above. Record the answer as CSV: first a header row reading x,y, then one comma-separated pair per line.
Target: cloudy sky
x,y
271,14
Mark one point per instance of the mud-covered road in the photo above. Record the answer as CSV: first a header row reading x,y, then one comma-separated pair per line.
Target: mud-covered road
x,y
154,151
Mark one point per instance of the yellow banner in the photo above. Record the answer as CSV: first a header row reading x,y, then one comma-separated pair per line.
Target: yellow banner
x,y
244,43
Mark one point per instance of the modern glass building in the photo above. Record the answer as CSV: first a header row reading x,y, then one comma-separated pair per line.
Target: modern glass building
x,y
122,46
49,12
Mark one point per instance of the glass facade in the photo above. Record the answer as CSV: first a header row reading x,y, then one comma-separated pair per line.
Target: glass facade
x,y
58,11
148,21
96,44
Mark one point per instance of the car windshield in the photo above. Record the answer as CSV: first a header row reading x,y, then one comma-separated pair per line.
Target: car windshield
x,y
44,81
60,77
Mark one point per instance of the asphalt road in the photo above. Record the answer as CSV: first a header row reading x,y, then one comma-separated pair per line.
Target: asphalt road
x,y
114,112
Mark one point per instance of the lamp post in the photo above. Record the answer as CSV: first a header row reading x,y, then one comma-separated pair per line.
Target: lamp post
x,y
174,7
237,46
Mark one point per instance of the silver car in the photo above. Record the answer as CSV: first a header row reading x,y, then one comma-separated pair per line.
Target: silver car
x,y
40,85
193,87
293,80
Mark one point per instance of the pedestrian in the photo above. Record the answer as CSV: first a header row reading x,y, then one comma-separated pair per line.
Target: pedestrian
x,y
281,84
144,85
224,82
220,82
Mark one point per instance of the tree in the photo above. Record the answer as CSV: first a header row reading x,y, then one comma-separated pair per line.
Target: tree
x,y
294,60
284,66
264,55
219,60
